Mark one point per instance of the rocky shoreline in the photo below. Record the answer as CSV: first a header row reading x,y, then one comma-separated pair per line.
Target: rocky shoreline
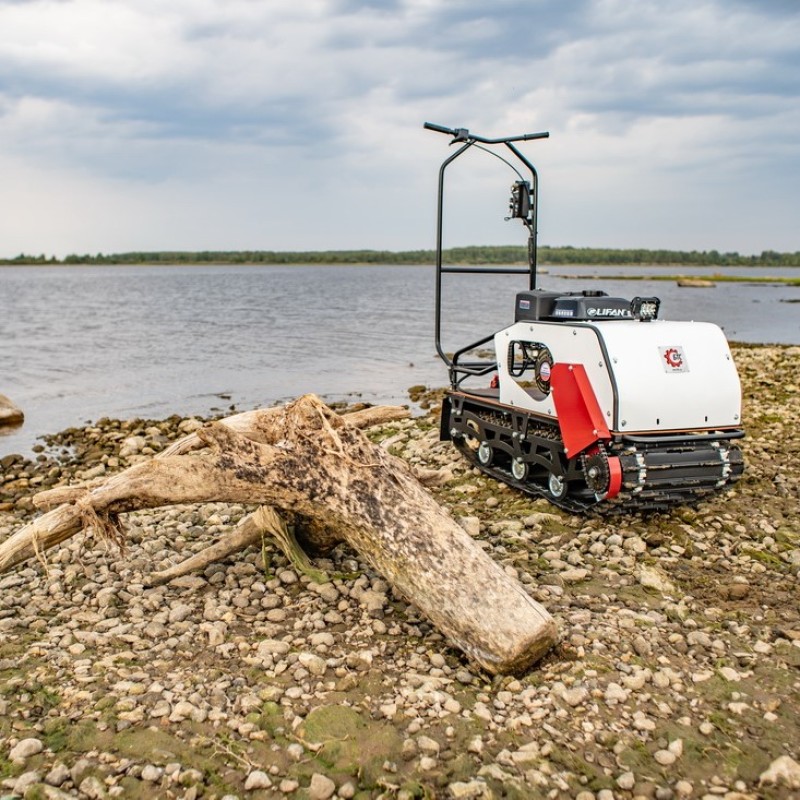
x,y
677,674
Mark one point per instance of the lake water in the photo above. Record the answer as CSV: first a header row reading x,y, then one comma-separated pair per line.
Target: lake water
x,y
80,343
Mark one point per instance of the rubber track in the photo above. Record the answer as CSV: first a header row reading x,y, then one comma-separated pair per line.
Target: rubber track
x,y
569,504
648,498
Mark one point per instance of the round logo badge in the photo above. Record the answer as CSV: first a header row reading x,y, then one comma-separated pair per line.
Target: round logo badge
x,y
544,371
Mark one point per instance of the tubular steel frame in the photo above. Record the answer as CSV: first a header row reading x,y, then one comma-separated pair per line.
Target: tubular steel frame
x,y
461,370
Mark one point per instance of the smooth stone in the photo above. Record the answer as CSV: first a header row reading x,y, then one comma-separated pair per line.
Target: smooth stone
x,y
321,787
783,771
24,749
257,779
665,757
9,413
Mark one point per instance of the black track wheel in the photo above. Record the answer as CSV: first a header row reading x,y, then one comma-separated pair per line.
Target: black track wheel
x,y
556,486
485,454
519,469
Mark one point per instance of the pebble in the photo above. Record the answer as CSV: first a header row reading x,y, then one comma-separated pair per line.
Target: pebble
x,y
642,722
576,696
427,745
295,751
574,575
257,779
179,612
783,771
653,578
347,791
58,775
327,591
626,781
737,591
93,788
24,749
467,790
152,773
452,706
273,647
636,681
676,747
25,781
409,749
615,694
183,710
641,646
665,757
313,663
321,787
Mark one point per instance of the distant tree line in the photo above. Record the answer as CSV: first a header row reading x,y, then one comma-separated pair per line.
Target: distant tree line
x,y
455,255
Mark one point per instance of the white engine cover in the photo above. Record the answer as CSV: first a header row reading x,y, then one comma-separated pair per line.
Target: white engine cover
x,y
656,376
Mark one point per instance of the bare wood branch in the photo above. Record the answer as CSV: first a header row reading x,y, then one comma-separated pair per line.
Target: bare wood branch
x,y
250,423
376,415
246,533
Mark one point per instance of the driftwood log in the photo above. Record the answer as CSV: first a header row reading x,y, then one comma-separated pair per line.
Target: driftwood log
x,y
306,464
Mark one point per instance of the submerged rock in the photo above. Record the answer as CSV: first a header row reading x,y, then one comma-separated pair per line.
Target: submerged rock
x,y
9,413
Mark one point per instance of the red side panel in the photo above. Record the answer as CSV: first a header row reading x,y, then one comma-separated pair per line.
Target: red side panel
x,y
579,415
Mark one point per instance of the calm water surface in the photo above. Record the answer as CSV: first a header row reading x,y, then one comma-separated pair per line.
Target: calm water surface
x,y
80,343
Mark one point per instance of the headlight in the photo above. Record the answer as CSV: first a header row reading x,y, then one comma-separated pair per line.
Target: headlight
x,y
645,308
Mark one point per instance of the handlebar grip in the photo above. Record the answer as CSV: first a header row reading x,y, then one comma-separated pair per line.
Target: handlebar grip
x,y
439,128
543,135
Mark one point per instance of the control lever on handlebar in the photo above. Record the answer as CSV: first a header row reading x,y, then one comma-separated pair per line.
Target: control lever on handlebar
x,y
458,134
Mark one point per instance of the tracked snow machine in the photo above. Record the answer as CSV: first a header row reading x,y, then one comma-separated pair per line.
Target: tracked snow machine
x,y
590,401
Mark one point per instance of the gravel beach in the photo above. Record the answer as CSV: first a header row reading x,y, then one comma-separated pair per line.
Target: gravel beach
x,y
677,674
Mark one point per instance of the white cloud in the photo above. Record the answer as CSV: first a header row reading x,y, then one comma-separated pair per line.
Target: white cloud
x,y
96,40
238,124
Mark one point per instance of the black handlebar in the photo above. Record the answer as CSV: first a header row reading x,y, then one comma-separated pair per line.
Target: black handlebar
x,y
438,128
463,135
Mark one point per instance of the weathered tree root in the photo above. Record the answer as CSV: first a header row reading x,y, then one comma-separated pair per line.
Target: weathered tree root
x,y
306,460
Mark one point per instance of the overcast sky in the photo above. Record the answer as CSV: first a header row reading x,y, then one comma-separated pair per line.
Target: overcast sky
x,y
297,124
